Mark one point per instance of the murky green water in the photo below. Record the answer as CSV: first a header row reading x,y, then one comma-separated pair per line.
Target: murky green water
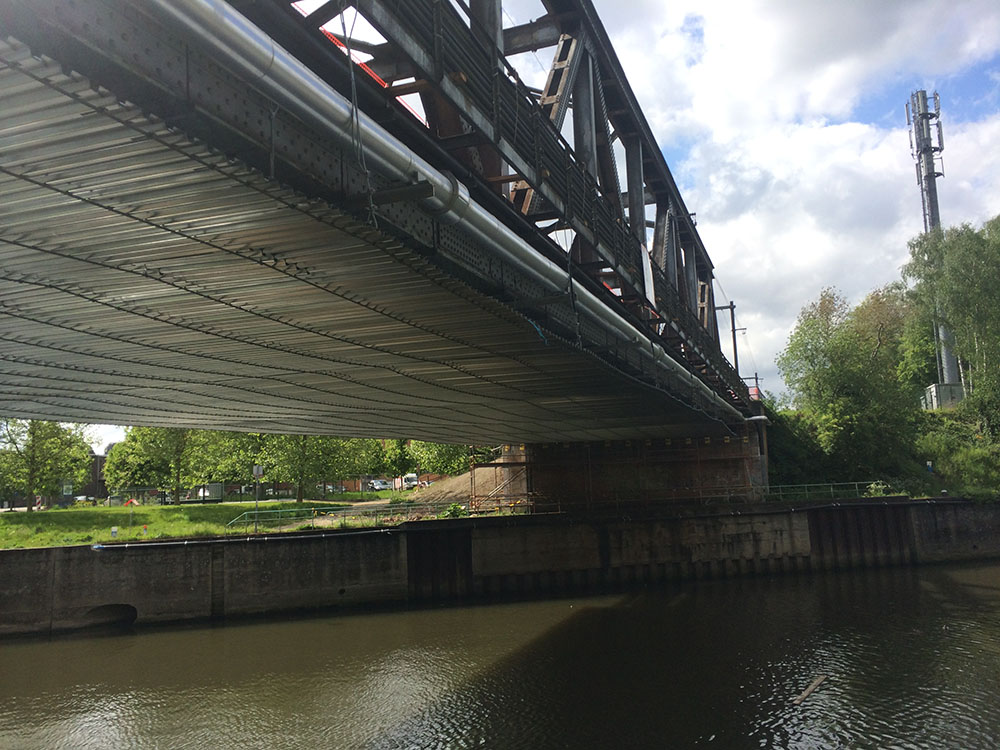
x,y
912,659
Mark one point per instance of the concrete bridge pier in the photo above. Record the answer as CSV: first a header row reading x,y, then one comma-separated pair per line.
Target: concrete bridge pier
x,y
701,466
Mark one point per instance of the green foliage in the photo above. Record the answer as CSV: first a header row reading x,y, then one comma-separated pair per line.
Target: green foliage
x,y
161,457
89,525
361,456
842,367
794,453
309,459
440,458
879,488
916,368
130,464
855,376
965,459
174,460
956,280
397,459
295,458
36,457
454,511
226,456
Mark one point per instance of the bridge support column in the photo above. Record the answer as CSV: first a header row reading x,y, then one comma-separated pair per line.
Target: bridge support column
x,y
641,474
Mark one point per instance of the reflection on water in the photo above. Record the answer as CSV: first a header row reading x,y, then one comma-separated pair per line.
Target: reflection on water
x,y
912,658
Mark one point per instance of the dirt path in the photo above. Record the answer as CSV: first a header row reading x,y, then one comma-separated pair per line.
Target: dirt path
x,y
441,493
457,489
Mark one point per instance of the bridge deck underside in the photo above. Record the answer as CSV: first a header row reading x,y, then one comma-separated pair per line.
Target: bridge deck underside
x,y
146,279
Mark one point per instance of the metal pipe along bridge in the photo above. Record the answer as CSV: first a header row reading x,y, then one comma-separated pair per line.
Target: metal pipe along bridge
x,y
244,216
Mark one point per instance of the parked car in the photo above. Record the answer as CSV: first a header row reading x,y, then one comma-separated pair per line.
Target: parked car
x,y
379,484
410,481
335,488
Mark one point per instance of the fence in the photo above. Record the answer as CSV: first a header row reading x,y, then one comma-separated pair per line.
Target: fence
x,y
399,512
829,490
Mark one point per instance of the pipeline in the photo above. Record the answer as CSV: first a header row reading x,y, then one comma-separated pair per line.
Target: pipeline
x,y
226,35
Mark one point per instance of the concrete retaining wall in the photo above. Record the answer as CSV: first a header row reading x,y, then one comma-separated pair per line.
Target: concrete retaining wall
x,y
48,590
62,588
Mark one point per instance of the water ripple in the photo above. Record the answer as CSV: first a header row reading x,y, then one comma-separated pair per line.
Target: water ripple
x,y
912,660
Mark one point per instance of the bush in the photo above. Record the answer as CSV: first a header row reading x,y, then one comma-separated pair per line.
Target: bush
x,y
879,489
964,458
454,511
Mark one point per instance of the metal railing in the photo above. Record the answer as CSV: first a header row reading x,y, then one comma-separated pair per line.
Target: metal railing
x,y
390,514
828,490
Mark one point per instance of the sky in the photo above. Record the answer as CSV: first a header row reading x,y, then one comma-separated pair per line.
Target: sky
x,y
783,124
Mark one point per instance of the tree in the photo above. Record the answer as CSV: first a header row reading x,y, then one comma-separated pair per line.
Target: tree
x,y
152,457
305,459
131,463
219,456
360,456
39,456
917,366
963,458
398,459
806,360
842,367
440,458
956,279
793,452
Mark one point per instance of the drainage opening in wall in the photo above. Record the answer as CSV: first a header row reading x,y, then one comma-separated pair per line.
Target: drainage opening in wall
x,y
109,614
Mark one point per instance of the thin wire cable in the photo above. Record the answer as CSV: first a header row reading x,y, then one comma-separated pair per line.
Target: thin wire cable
x,y
534,53
359,150
746,337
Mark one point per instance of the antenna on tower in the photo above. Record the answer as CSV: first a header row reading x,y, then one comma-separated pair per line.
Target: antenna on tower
x,y
926,149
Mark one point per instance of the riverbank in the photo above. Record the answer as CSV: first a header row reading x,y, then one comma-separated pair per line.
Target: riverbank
x,y
63,588
94,525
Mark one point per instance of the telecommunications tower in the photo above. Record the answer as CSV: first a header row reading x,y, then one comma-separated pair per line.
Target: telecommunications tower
x,y
926,145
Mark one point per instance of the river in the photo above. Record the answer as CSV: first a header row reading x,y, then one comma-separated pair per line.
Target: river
x,y
911,658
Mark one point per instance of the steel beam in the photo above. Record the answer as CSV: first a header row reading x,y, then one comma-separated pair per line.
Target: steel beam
x,y
488,14
391,25
606,163
584,131
691,277
636,188
530,37
625,112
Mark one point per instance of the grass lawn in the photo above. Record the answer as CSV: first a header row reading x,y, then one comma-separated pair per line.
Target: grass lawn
x,y
53,528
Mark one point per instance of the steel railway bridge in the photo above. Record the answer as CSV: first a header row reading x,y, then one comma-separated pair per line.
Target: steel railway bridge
x,y
242,216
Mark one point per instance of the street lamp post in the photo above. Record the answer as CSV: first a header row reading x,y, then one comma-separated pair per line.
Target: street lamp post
x,y
258,472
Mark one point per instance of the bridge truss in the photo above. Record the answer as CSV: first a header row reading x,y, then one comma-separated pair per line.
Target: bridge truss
x,y
215,216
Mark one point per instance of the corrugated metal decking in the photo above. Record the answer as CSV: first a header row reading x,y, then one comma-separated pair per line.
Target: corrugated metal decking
x,y
146,279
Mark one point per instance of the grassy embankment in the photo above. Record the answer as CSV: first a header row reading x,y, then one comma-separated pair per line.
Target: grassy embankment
x,y
89,525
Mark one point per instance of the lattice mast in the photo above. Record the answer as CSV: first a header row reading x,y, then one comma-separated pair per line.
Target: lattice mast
x,y
926,145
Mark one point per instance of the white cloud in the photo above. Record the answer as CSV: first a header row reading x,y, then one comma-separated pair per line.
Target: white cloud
x,y
100,436
790,113
793,193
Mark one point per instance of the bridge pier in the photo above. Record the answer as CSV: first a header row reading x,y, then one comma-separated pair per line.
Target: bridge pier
x,y
594,476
